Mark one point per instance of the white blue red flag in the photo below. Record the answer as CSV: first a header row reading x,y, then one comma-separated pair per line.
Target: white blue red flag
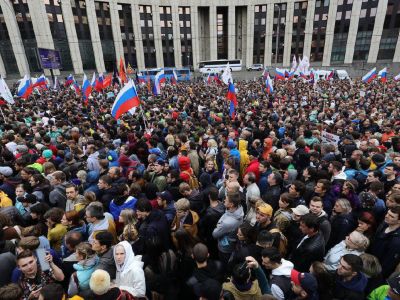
x,y
126,99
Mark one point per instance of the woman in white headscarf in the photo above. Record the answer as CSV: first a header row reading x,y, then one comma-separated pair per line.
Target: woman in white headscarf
x,y
130,274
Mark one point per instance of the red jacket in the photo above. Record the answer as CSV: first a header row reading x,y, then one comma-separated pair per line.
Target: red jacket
x,y
253,167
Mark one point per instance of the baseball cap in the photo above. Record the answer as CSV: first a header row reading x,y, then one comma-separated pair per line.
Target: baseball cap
x,y
167,196
6,171
306,280
265,209
394,283
300,210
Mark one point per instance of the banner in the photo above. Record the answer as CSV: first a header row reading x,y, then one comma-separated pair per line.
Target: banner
x,y
329,138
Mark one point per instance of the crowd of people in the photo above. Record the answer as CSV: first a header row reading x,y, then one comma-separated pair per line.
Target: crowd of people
x,y
180,201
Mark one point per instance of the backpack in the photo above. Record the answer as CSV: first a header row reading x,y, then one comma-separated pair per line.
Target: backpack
x,y
193,181
283,242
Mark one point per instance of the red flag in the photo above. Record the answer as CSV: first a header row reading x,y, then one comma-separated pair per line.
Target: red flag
x,y
122,73
107,81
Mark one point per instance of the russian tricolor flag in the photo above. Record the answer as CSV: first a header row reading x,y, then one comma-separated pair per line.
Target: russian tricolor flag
x,y
160,77
25,87
41,81
70,80
93,82
231,95
383,74
126,99
99,83
367,78
174,78
302,75
279,74
76,88
330,76
86,89
270,88
291,75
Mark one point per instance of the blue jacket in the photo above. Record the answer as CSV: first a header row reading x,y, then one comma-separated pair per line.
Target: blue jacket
x,y
84,272
115,209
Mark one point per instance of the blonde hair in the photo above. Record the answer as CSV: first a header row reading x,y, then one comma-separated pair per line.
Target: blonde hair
x,y
359,240
182,204
128,216
212,143
130,233
85,249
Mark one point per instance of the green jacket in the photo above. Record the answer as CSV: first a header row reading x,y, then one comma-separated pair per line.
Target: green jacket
x,y
379,293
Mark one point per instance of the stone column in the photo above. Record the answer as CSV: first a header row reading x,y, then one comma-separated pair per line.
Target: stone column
x,y
116,31
213,33
72,37
249,35
231,32
95,35
353,29
41,27
155,9
194,17
176,35
137,31
288,34
329,34
396,57
377,32
308,32
15,37
2,68
269,35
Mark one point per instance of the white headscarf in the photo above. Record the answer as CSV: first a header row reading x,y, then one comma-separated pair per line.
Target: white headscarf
x,y
129,261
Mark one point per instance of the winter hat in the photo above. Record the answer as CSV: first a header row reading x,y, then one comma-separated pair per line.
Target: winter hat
x,y
231,144
184,163
265,209
47,153
306,280
6,171
22,149
300,210
99,282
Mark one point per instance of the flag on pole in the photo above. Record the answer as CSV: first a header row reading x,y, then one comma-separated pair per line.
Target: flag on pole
x,y
367,78
231,95
330,75
227,75
93,82
158,80
279,74
40,82
209,78
270,87
122,73
107,81
76,87
174,78
25,87
397,77
129,69
99,83
55,87
383,74
86,89
126,99
5,92
300,66
69,80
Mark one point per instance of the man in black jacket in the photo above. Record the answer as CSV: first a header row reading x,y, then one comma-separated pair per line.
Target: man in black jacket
x,y
312,247
102,245
274,191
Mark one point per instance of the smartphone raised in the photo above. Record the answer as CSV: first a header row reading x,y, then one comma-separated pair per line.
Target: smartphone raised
x,y
41,256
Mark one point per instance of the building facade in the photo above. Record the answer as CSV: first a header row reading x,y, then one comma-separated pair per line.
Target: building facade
x,y
94,34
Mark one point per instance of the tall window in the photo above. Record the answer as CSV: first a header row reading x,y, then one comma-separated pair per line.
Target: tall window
x,y
390,31
127,35
185,35
57,28
299,26
319,30
106,37
25,25
222,32
342,24
6,51
260,16
365,29
279,32
146,23
167,36
83,34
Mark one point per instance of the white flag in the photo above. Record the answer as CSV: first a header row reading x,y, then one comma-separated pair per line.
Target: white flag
x,y
5,92
301,65
227,75
55,83
306,64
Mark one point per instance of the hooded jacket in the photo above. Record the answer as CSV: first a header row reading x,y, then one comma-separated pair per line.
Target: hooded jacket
x,y
280,280
115,209
130,275
225,231
84,270
268,148
351,290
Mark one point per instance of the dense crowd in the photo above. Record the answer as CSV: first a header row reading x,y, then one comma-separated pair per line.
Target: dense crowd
x,y
297,197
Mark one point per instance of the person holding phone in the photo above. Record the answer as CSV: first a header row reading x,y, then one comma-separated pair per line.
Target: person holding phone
x,y
33,278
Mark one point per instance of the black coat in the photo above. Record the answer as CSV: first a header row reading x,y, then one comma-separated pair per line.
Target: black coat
x,y
341,226
311,249
156,224
272,196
